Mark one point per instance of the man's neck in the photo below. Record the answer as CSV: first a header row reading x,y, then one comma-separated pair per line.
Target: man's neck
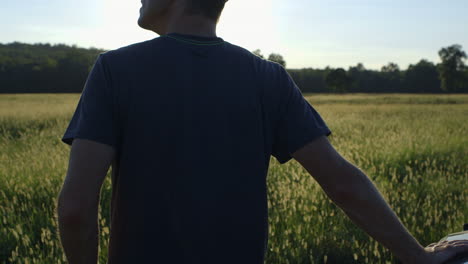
x,y
192,25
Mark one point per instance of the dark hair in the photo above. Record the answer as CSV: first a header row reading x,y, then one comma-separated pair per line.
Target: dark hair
x,y
209,8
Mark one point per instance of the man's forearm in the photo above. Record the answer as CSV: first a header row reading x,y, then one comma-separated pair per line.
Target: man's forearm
x,y
79,236
366,207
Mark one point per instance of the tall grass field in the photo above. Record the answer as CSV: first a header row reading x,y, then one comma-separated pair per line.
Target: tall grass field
x,y
414,148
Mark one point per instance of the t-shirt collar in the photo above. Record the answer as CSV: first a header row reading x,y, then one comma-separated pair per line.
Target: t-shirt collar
x,y
194,39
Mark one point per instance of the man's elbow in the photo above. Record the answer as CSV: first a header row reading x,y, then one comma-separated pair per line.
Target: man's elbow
x,y
67,213
353,189
72,210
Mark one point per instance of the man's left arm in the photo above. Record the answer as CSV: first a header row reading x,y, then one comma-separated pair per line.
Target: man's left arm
x,y
78,201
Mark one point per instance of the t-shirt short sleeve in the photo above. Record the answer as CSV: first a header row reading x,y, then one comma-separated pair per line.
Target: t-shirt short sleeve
x,y
94,118
298,122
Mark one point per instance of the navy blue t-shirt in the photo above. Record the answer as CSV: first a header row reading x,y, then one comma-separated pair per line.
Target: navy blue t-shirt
x,y
194,121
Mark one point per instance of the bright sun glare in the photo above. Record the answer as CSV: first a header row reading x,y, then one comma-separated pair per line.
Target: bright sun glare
x,y
245,23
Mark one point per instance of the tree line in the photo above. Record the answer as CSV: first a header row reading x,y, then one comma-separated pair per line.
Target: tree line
x,y
45,68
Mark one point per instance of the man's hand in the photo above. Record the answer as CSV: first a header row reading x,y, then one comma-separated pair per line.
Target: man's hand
x,y
438,253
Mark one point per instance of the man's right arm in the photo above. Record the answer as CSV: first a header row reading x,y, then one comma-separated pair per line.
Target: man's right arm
x,y
350,189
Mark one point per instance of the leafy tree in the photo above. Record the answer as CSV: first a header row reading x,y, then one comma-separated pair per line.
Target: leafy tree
x,y
357,74
451,70
359,67
338,81
391,78
272,57
277,58
422,77
309,80
258,53
391,68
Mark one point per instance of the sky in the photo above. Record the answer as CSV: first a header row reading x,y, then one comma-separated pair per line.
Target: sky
x,y
308,33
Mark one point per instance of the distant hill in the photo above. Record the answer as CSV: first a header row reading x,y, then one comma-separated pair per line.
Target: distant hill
x,y
45,68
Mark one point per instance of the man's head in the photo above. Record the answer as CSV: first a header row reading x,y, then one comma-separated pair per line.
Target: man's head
x,y
158,15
